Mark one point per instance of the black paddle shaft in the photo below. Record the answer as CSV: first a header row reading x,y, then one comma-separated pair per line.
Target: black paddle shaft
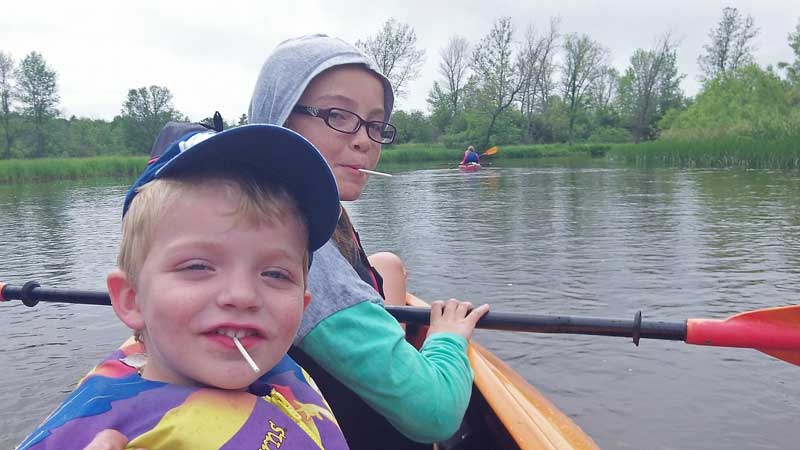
x,y
532,323
31,294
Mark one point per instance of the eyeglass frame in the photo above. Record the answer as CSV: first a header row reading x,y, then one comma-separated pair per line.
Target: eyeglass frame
x,y
324,114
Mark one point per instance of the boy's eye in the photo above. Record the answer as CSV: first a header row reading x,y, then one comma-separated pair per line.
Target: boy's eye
x,y
197,266
276,274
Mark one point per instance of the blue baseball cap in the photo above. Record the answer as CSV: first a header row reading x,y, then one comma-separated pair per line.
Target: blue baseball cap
x,y
270,152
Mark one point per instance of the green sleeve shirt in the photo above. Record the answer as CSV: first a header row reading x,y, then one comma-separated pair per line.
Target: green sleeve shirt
x,y
423,394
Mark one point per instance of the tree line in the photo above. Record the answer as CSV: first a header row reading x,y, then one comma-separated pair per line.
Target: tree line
x,y
31,126
545,86
540,86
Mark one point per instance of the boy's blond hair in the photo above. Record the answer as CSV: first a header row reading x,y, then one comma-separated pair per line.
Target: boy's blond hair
x,y
259,202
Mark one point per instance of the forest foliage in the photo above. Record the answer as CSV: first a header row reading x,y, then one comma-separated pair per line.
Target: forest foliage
x,y
509,87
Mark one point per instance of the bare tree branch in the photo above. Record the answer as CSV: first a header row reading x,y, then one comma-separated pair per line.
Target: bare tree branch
x,y
537,56
6,98
730,47
394,51
500,76
650,84
454,67
583,63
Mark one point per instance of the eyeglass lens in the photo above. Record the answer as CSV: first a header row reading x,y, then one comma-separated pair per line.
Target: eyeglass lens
x,y
348,122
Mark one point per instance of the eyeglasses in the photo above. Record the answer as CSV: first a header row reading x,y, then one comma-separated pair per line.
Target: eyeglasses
x,y
345,121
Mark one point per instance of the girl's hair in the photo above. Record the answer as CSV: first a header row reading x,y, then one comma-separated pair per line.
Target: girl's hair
x,y
293,64
471,148
345,240
258,202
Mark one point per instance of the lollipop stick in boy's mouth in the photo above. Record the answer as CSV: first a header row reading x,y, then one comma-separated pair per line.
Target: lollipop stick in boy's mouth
x,y
246,355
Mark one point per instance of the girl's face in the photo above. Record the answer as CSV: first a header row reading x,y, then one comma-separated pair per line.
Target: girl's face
x,y
355,89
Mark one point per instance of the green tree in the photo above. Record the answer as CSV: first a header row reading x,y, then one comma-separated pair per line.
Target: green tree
x,y
6,98
554,123
412,127
38,94
500,77
394,50
649,87
752,102
84,137
793,68
145,112
440,105
730,48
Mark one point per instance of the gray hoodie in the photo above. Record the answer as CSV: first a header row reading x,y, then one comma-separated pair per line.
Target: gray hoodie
x,y
293,64
345,329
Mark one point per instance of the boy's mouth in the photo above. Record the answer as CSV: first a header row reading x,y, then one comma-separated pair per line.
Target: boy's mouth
x,y
235,332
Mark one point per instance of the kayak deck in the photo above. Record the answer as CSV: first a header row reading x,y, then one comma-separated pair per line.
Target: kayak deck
x,y
469,167
505,411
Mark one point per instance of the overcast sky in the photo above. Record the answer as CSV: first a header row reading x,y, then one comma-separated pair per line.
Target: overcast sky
x,y
208,53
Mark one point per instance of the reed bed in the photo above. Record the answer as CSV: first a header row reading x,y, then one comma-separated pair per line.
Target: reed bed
x,y
745,152
23,170
410,153
734,151
44,169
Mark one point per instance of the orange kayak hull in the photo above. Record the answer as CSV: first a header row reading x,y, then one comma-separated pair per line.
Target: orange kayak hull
x,y
526,419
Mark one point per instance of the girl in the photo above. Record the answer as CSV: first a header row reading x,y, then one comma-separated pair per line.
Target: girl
x,y
384,392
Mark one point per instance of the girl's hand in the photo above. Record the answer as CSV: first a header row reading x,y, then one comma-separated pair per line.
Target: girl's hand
x,y
456,317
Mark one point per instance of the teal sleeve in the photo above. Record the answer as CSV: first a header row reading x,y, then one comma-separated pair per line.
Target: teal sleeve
x,y
423,394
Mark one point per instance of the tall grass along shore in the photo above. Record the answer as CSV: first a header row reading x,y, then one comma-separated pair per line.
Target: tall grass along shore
x,y
744,152
734,151
24,170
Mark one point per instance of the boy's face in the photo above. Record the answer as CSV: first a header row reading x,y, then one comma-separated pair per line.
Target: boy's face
x,y
209,275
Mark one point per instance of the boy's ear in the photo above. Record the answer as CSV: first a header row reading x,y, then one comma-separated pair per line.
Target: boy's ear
x,y
123,299
306,299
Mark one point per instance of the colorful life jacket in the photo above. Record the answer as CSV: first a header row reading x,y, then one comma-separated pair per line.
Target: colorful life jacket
x,y
282,410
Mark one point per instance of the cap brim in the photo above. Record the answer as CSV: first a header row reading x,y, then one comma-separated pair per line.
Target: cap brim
x,y
276,154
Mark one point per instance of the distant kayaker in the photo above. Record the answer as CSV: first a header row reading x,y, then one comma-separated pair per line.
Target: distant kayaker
x,y
386,394
471,156
212,278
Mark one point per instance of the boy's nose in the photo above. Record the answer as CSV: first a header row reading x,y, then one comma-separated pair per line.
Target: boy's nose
x,y
239,293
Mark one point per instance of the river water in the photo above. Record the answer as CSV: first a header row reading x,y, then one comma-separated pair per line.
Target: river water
x,y
584,239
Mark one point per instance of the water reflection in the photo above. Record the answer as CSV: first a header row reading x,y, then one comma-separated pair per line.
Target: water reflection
x,y
595,240
606,241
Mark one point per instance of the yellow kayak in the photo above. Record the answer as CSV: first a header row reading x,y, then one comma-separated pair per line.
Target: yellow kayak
x,y
505,411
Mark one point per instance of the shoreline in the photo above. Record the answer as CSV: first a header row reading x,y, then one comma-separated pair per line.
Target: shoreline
x,y
718,153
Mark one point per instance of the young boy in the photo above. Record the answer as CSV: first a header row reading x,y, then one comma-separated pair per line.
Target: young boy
x,y
217,238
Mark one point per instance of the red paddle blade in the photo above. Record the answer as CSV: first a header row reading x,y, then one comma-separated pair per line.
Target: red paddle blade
x,y
790,356
774,331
